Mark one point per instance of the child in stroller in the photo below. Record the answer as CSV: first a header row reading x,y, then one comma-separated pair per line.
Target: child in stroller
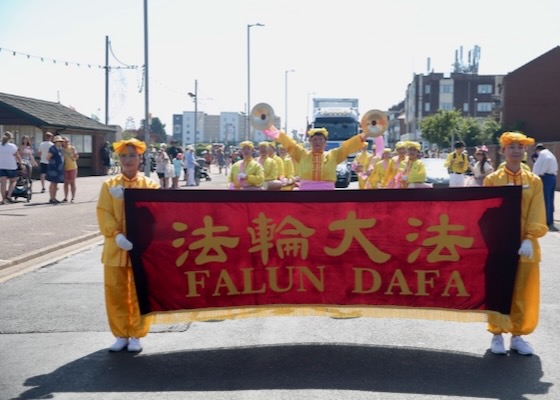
x,y
23,182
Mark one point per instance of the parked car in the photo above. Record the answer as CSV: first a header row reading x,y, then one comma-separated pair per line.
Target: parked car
x,y
343,174
436,173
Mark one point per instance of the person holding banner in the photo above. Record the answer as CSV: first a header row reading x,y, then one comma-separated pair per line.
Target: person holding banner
x,y
524,313
289,170
121,302
246,174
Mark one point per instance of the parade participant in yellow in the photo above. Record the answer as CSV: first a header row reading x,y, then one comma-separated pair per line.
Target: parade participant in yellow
x,y
524,314
361,165
383,172
121,302
270,168
458,163
279,162
400,149
288,182
413,171
317,167
247,173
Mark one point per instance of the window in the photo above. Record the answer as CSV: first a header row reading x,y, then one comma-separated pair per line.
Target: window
x,y
446,106
484,89
484,107
427,89
466,107
426,107
446,88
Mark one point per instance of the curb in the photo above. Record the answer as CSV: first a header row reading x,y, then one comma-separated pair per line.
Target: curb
x,y
50,249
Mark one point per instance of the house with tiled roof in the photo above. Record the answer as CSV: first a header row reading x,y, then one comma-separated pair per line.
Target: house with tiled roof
x,y
33,117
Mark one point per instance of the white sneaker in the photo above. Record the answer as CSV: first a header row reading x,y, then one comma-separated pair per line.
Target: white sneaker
x,y
119,344
134,345
521,346
497,345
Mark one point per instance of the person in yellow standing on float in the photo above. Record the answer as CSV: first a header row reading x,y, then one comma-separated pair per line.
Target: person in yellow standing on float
x,y
412,170
247,173
383,172
361,166
317,167
289,170
524,314
270,167
400,149
121,302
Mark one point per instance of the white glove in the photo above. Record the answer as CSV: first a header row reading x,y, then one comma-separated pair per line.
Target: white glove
x,y
123,242
526,249
117,192
404,178
241,176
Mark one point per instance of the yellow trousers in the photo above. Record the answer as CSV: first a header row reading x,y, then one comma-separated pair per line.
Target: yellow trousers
x,y
524,313
122,304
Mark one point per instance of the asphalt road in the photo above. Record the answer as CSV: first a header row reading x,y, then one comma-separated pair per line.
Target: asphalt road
x,y
54,335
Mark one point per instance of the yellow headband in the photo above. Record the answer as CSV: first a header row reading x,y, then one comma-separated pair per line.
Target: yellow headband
x,y
414,145
120,146
508,138
400,145
387,150
315,131
247,143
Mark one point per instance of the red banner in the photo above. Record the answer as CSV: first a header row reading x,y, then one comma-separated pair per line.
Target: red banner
x,y
444,248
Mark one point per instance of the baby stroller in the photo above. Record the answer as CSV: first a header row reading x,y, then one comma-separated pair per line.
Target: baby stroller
x,y
201,170
23,182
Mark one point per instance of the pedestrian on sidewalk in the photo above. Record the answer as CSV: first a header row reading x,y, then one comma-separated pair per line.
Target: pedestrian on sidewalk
x,y
121,302
44,148
546,167
70,168
55,168
9,159
524,313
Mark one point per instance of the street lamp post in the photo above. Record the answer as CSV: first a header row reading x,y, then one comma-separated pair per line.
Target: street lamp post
x,y
194,96
286,100
249,77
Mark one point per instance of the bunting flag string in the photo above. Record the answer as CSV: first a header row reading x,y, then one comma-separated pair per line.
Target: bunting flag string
x,y
63,62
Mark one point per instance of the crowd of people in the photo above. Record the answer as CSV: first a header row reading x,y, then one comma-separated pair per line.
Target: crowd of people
x,y
58,165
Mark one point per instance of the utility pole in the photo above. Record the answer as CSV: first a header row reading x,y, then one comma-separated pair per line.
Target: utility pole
x,y
147,162
106,80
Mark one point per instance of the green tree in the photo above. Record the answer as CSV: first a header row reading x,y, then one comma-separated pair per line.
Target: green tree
x,y
439,128
157,131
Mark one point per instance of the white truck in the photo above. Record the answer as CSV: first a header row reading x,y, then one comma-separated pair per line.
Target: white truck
x,y
340,117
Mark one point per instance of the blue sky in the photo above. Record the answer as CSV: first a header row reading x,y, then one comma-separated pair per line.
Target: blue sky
x,y
369,50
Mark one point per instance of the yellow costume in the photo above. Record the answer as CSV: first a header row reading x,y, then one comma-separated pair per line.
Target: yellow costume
x,y
251,168
523,165
361,165
319,166
455,168
524,313
120,293
382,174
288,171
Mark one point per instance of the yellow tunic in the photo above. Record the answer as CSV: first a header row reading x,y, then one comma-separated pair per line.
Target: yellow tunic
x,y
523,165
319,166
362,160
458,158
279,166
415,171
251,168
382,174
270,168
524,314
288,171
111,218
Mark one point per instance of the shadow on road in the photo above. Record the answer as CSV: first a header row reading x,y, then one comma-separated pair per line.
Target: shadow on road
x,y
298,367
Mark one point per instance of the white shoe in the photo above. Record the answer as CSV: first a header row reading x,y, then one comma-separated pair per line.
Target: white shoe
x,y
119,344
521,346
134,345
497,345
